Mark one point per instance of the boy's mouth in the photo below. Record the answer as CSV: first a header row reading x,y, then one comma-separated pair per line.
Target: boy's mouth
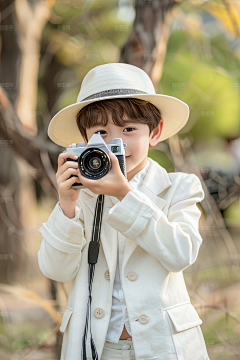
x,y
127,156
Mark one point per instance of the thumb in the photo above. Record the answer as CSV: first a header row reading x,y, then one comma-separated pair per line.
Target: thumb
x,y
113,157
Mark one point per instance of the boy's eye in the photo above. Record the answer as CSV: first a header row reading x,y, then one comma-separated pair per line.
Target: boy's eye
x,y
98,132
105,131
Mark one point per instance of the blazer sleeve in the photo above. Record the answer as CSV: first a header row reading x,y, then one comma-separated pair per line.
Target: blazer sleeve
x,y
76,212
60,252
174,240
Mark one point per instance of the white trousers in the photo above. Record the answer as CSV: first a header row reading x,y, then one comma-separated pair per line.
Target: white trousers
x,y
124,350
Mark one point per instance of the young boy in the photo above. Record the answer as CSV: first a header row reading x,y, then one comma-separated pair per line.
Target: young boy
x,y
140,306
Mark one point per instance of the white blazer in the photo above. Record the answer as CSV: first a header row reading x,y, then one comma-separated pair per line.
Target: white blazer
x,y
161,225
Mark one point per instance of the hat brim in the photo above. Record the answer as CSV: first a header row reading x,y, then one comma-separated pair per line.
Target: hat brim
x,y
63,129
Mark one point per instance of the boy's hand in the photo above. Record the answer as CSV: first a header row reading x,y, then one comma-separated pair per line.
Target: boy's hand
x,y
113,183
67,195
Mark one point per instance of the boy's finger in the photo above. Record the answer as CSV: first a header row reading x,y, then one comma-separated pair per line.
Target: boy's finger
x,y
81,177
114,161
67,165
112,156
63,156
67,174
85,181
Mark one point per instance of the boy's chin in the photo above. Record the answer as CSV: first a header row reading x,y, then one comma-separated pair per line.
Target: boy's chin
x,y
129,166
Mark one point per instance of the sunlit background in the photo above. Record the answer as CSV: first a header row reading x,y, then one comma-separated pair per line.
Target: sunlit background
x,y
191,50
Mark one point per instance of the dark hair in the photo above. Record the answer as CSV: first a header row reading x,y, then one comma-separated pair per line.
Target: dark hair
x,y
137,110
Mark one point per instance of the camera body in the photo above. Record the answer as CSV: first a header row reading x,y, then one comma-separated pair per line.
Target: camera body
x,y
93,159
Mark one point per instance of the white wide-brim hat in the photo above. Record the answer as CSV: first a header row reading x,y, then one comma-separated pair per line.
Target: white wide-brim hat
x,y
112,81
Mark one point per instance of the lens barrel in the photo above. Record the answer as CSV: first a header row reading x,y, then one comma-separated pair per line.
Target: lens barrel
x,y
94,163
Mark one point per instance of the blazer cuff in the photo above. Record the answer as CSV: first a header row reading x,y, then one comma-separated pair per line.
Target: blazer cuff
x,y
131,215
76,212
61,227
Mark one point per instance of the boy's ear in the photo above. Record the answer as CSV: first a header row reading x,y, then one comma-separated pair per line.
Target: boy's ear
x,y
155,134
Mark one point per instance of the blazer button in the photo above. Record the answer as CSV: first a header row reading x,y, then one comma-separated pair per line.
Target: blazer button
x,y
99,313
126,313
143,319
107,275
132,276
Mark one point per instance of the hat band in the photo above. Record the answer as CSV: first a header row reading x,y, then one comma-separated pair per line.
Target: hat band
x,y
112,92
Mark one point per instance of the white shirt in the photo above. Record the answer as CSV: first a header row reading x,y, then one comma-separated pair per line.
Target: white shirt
x,y
119,316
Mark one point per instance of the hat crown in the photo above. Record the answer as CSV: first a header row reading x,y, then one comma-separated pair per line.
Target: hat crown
x,y
116,77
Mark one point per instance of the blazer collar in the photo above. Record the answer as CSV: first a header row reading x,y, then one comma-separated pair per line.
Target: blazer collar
x,y
154,183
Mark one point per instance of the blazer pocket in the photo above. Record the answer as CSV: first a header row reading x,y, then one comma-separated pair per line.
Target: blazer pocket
x,y
184,324
184,316
66,317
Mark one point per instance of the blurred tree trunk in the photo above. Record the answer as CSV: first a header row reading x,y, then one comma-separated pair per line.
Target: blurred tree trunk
x,y
29,38
147,42
20,54
20,51
11,237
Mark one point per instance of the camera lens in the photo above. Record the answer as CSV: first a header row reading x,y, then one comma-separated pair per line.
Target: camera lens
x,y
94,163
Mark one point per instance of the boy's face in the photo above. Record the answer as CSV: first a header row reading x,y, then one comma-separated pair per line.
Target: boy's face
x,y
135,135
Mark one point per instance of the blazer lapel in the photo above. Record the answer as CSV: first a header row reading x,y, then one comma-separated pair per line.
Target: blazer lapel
x,y
155,182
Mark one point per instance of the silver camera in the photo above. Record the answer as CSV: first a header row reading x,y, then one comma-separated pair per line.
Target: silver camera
x,y
93,159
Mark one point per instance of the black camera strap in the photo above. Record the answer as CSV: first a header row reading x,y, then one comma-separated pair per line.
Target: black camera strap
x,y
93,251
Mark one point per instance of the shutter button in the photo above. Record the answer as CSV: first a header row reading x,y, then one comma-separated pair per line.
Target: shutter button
x,y
107,275
99,313
143,319
132,276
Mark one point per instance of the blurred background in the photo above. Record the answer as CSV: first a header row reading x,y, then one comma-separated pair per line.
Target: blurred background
x,y
191,50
